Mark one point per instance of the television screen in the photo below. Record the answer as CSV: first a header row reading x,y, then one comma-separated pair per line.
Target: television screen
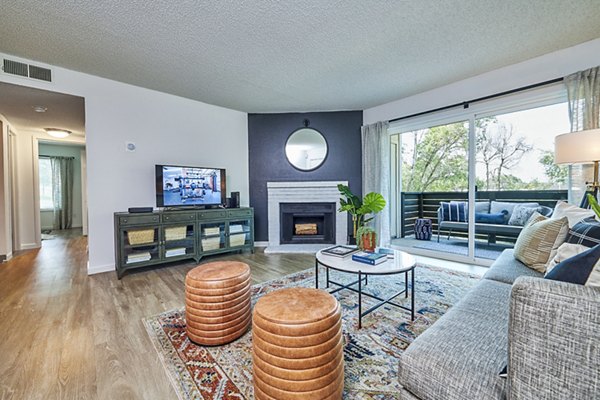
x,y
178,186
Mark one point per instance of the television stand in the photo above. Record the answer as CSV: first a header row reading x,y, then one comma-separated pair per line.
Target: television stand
x,y
165,236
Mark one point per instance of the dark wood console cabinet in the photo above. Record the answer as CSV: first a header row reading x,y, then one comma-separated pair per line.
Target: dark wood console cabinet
x,y
145,239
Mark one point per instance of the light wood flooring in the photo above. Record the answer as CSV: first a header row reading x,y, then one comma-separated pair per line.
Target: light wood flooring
x,y
67,335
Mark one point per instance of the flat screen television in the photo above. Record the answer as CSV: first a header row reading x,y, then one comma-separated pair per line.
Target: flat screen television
x,y
182,186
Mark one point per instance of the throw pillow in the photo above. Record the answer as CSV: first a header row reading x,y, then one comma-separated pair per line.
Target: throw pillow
x,y
573,213
498,219
539,240
564,252
454,211
521,214
586,233
497,206
482,207
582,269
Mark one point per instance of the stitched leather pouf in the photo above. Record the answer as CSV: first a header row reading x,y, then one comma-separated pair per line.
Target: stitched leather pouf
x,y
297,346
217,302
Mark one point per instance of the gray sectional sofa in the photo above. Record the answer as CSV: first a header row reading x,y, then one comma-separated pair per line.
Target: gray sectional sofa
x,y
548,333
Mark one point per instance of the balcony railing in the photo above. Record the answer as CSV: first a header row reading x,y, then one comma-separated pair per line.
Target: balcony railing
x,y
425,205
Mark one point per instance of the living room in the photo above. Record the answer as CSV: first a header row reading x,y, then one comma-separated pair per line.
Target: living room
x,y
228,94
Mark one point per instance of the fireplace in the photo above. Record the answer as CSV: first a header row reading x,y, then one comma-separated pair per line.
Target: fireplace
x,y
304,223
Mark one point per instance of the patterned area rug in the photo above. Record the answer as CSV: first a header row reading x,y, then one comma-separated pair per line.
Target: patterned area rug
x,y
370,354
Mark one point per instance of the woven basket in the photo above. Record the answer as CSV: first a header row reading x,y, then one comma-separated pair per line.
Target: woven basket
x,y
141,236
237,239
211,244
175,233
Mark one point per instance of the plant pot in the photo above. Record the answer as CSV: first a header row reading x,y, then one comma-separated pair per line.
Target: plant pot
x,y
368,241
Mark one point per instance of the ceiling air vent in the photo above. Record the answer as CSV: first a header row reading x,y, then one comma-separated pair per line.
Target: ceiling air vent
x,y
15,68
28,71
43,74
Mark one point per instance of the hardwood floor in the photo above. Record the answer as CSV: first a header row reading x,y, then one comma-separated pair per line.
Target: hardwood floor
x,y
67,335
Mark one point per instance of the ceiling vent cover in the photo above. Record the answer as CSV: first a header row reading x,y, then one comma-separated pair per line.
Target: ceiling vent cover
x,y
43,74
29,71
15,68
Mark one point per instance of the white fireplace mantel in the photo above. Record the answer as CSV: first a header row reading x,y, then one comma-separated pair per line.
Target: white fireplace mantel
x,y
304,192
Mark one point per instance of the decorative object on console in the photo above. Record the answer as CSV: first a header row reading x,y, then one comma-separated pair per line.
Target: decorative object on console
x,y
539,240
580,147
140,209
359,208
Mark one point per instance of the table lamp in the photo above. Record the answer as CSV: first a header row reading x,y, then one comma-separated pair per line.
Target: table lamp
x,y
580,147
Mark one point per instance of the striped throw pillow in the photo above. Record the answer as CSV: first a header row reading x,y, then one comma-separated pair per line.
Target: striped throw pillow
x,y
539,240
456,211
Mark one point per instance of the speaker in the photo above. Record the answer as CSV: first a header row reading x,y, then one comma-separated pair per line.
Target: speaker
x,y
235,200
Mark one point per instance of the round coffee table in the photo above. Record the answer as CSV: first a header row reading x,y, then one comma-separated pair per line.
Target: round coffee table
x,y
401,263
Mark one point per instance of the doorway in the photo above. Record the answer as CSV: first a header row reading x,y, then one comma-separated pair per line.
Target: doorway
x,y
61,195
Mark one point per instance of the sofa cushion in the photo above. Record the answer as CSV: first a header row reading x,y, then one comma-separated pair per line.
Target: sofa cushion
x,y
582,269
586,233
539,240
454,211
459,356
486,218
498,206
573,213
521,214
507,269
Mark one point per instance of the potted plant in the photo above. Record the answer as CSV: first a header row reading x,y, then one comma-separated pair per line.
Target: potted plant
x,y
359,208
366,238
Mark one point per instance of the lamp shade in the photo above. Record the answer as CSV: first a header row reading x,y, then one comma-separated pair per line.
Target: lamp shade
x,y
577,147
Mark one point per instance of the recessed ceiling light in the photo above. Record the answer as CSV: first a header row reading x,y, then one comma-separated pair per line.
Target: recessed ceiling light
x,y
58,133
39,109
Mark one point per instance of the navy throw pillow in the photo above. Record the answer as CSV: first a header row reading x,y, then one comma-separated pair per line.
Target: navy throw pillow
x,y
454,211
576,269
586,233
497,218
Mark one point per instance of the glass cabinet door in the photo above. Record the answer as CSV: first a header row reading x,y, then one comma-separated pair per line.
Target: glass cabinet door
x,y
140,245
240,233
179,240
212,236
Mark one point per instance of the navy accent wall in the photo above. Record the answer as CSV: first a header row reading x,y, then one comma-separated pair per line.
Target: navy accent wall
x,y
267,134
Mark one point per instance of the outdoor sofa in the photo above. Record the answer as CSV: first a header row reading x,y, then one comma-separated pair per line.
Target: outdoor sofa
x,y
490,229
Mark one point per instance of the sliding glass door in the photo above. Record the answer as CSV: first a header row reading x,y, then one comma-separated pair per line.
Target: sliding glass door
x,y
473,182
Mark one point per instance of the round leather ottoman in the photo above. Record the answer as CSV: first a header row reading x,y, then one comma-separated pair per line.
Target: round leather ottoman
x,y
217,302
297,346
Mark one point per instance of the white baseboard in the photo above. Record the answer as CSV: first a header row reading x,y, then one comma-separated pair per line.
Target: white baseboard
x,y
261,244
98,269
29,246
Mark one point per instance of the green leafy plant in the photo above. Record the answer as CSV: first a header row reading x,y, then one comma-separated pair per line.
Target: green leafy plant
x,y
359,208
594,204
368,233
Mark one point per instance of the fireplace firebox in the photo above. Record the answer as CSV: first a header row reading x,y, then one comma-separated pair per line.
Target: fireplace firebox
x,y
307,223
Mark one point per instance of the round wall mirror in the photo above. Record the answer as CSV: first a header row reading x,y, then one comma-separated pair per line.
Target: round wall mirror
x,y
306,149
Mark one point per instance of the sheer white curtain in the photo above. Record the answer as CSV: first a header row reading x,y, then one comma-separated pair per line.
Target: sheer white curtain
x,y
376,172
583,90
62,191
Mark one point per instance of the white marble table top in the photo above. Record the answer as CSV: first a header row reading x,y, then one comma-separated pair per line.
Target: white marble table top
x,y
401,262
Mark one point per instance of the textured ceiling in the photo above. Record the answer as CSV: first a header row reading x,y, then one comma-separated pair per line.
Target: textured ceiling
x,y
301,55
63,111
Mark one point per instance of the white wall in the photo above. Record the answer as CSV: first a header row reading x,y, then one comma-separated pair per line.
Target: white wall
x,y
539,69
47,149
165,128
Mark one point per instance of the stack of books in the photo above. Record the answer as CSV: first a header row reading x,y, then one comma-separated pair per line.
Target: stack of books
x,y
369,258
138,257
174,252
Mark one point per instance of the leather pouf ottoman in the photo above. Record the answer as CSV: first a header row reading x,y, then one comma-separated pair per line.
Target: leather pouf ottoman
x,y
217,302
297,346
